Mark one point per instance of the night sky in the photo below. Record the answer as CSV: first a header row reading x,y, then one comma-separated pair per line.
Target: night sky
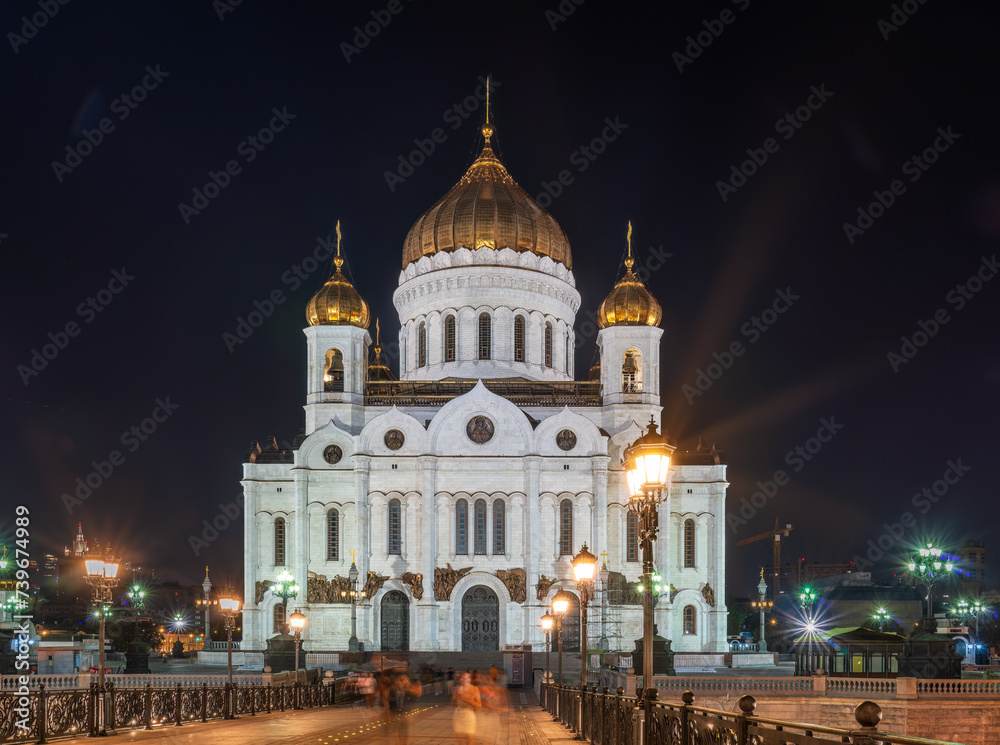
x,y
93,183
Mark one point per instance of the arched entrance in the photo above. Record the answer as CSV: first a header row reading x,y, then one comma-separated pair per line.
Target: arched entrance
x,y
480,620
395,622
571,626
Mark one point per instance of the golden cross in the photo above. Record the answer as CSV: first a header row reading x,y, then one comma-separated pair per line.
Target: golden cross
x,y
488,98
377,333
628,237
353,554
338,237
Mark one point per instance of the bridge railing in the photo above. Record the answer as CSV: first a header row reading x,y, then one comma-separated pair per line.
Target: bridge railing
x,y
606,718
32,715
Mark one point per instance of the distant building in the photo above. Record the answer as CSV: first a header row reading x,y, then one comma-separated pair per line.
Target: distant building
x,y
794,576
851,599
971,567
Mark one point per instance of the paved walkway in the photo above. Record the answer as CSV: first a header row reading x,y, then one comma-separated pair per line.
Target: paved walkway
x,y
428,722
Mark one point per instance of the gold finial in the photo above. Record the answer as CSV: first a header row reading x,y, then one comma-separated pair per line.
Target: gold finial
x,y
378,332
206,571
488,128
338,261
353,551
762,572
629,261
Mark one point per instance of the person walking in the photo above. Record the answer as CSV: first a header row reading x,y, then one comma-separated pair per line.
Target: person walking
x,y
466,700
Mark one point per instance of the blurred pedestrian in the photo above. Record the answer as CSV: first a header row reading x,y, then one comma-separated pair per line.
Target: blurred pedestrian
x,y
466,700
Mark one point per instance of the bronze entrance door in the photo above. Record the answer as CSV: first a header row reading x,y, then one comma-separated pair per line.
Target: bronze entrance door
x,y
480,620
395,622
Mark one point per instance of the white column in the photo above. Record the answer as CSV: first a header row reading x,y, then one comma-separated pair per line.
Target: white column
x,y
251,615
300,543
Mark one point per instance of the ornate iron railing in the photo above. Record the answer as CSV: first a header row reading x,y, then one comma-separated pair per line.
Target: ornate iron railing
x,y
41,714
615,719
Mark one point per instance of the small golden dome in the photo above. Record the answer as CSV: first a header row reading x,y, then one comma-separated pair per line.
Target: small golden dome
x,y
487,208
377,369
629,303
337,302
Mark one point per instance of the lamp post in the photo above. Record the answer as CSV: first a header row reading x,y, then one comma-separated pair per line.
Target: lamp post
x,y
763,604
285,588
297,622
229,604
881,616
352,575
584,565
807,597
927,568
560,604
547,623
647,470
605,578
102,575
974,609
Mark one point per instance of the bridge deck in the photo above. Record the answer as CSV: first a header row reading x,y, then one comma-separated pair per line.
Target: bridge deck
x,y
428,722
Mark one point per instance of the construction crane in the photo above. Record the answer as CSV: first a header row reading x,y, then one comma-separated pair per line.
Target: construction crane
x,y
776,534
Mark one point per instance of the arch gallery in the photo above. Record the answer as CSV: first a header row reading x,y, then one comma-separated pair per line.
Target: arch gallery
x,y
461,488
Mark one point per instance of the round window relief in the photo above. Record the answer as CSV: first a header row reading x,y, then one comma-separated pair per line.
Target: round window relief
x,y
333,454
566,439
394,439
479,429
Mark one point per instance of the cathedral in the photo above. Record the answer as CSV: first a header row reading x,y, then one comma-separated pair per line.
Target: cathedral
x,y
460,488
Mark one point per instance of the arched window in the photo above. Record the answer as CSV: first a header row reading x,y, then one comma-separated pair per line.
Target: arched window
x,y
632,372
519,339
395,542
566,528
333,372
333,535
485,336
548,345
690,620
499,528
462,527
689,543
422,345
632,537
480,516
449,339
279,542
279,618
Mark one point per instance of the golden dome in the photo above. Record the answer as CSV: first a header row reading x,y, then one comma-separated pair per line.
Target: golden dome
x,y
377,369
487,208
629,303
337,302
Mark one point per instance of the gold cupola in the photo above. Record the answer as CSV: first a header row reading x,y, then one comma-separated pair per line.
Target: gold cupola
x,y
337,302
487,208
629,303
377,369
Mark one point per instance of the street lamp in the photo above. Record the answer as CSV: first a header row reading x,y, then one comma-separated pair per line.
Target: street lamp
x,y
297,622
560,604
102,575
605,578
764,605
352,575
647,471
584,565
547,623
229,604
881,616
928,567
285,588
807,596
974,609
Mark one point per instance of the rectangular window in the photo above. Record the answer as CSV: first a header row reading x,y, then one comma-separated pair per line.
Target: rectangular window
x,y
499,532
480,527
632,537
519,339
485,337
462,528
877,663
857,663
449,339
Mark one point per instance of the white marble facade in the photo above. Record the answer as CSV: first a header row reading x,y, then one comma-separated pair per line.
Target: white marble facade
x,y
397,508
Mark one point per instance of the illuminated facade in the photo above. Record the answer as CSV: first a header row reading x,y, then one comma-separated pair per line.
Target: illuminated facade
x,y
463,487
